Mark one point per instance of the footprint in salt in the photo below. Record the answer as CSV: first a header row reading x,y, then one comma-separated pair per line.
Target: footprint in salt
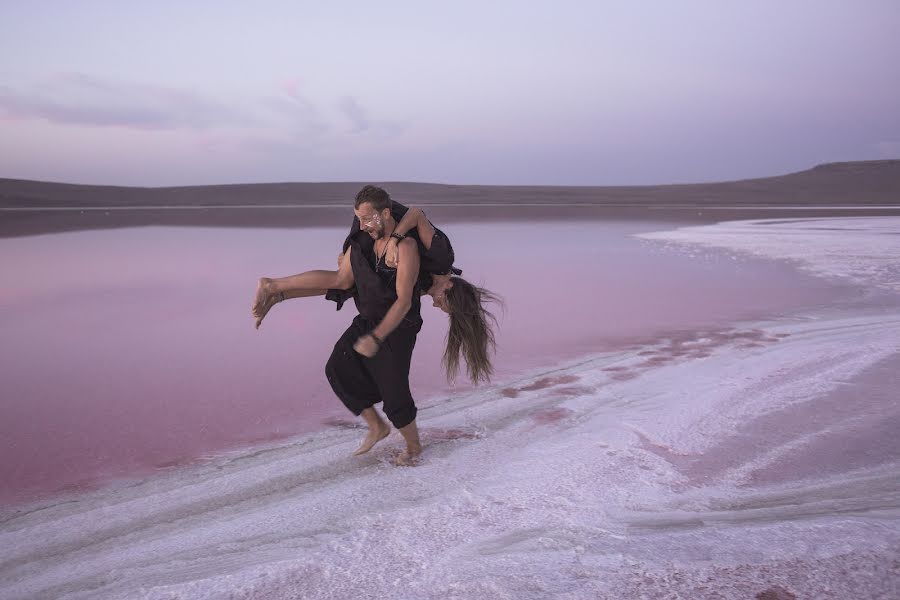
x,y
621,373
657,360
776,592
573,391
342,423
540,384
437,434
547,416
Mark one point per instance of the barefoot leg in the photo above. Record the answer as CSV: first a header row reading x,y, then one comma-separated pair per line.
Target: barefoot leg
x,y
309,283
378,430
409,456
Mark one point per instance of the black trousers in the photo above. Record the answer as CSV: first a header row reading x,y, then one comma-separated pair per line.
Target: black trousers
x,y
362,382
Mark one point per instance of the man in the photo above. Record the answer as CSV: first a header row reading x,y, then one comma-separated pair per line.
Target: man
x,y
370,362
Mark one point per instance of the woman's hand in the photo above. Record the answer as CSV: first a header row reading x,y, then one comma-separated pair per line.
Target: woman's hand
x,y
366,345
392,253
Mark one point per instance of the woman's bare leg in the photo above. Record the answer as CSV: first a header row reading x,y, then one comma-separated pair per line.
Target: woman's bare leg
x,y
308,281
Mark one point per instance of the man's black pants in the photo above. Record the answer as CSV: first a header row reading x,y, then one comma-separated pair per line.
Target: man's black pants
x,y
362,382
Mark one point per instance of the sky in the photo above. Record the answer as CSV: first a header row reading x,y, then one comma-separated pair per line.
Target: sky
x,y
554,93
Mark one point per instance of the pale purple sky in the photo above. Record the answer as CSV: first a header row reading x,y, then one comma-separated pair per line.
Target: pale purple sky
x,y
176,93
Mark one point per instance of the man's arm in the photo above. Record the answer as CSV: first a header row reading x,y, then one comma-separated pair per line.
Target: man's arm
x,y
407,271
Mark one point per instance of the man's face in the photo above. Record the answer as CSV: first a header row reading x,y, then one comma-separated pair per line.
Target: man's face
x,y
370,220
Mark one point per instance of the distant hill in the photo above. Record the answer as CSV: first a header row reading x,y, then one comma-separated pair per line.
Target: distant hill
x,y
847,183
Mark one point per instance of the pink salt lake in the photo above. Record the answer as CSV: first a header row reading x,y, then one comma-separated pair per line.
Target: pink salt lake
x,y
126,351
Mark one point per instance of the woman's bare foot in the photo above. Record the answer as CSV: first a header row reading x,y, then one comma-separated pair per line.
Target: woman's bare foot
x,y
374,436
262,296
270,302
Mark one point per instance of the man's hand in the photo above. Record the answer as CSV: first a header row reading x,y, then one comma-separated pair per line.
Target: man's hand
x,y
366,345
392,253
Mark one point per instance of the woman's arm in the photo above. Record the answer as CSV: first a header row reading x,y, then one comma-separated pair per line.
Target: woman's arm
x,y
413,219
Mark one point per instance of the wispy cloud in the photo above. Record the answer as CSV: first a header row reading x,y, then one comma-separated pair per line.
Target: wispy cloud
x,y
361,122
286,121
296,113
304,126
79,99
354,113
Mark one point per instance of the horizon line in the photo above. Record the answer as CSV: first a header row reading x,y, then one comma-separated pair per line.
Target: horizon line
x,y
491,185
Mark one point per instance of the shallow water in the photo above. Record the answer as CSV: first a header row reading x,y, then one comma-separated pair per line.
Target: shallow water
x,y
131,350
700,459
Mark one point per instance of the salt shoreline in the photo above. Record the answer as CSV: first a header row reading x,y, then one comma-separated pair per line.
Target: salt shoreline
x,y
503,461
39,221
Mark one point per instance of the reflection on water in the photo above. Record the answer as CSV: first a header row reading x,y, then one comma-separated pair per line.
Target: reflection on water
x,y
133,349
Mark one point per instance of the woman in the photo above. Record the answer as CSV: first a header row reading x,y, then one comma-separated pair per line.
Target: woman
x,y
471,334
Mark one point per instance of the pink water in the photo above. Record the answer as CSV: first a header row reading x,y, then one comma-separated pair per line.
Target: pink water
x,y
126,351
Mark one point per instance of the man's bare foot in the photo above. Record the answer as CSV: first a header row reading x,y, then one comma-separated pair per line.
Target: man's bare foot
x,y
409,457
262,296
375,435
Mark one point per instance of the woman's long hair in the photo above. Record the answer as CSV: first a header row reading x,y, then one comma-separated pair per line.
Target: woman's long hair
x,y
471,334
